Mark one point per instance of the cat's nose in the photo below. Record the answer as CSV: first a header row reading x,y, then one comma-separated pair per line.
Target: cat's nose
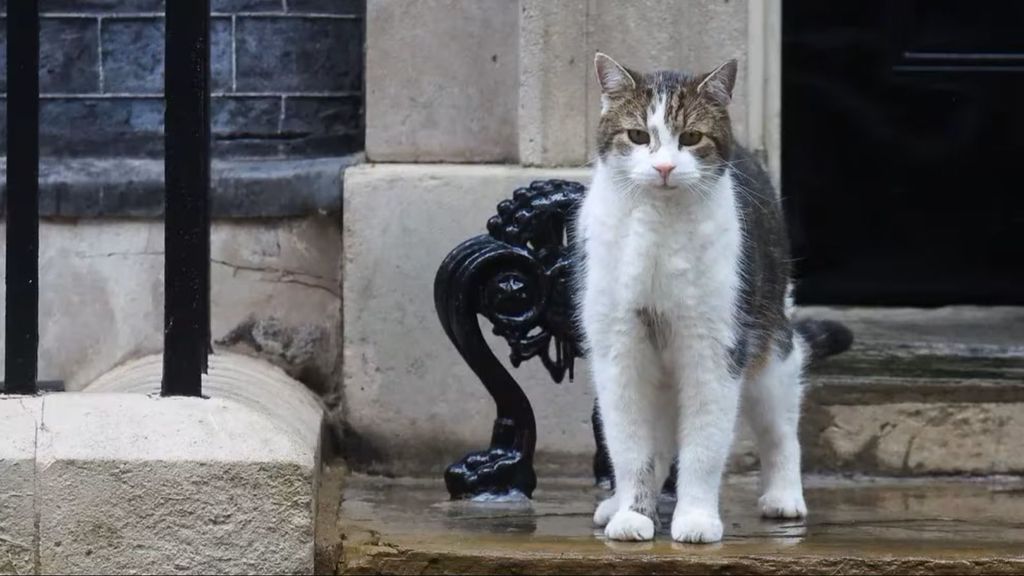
x,y
664,170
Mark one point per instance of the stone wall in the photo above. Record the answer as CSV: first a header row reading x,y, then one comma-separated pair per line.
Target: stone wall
x,y
286,77
513,82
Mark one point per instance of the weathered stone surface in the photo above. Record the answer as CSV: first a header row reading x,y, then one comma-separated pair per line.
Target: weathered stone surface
x,y
554,77
305,115
246,6
133,56
221,59
861,526
133,483
127,126
297,54
240,189
101,6
327,6
19,420
68,61
121,481
912,438
234,116
106,277
441,101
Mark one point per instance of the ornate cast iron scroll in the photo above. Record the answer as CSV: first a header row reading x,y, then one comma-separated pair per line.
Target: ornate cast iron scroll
x,y
518,276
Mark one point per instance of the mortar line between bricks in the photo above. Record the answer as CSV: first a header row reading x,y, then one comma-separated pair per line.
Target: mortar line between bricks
x,y
99,52
234,55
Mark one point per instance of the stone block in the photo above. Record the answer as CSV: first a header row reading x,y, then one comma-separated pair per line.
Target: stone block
x,y
131,482
126,126
321,145
298,54
133,55
68,60
221,47
67,56
921,438
442,80
19,420
304,115
554,78
327,6
231,115
101,6
228,6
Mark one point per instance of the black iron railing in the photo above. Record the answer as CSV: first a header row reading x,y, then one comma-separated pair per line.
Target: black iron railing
x,y
22,323
187,176
187,180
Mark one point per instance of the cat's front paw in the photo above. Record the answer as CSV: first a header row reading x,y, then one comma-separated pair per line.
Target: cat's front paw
x,y
605,510
696,527
630,526
783,504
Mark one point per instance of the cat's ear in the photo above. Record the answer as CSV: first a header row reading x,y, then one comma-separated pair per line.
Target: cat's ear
x,y
612,76
720,81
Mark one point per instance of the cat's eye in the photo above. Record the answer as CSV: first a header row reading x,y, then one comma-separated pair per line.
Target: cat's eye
x,y
638,137
690,138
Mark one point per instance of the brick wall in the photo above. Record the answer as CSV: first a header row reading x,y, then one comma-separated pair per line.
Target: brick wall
x,y
286,77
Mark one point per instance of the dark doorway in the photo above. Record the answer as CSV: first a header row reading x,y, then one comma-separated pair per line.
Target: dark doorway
x,y
903,150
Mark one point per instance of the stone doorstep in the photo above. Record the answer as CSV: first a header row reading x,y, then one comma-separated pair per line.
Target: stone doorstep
x,y
115,480
861,525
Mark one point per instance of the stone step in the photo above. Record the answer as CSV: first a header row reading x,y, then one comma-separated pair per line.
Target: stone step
x,y
856,525
921,392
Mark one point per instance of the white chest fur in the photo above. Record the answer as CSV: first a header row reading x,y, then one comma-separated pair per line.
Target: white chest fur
x,y
676,254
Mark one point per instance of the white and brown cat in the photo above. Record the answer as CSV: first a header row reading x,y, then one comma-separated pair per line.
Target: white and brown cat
x,y
685,304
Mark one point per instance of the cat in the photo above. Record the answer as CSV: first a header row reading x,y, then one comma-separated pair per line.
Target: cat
x,y
685,304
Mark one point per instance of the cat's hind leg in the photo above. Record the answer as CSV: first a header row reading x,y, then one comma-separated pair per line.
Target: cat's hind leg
x,y
771,405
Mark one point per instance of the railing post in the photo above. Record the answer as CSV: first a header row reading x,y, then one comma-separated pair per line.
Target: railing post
x,y
22,322
187,178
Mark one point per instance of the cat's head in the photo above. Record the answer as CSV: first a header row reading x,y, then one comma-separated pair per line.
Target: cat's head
x,y
665,130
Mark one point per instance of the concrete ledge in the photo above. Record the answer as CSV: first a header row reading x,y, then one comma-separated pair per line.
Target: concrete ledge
x,y
19,420
134,187
127,482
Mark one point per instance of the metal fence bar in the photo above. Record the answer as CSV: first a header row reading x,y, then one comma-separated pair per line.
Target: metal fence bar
x,y
187,177
22,322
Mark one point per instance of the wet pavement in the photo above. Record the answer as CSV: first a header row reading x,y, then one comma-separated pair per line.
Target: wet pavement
x,y
862,525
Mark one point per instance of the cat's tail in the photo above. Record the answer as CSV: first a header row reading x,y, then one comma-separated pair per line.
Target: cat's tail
x,y
824,338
